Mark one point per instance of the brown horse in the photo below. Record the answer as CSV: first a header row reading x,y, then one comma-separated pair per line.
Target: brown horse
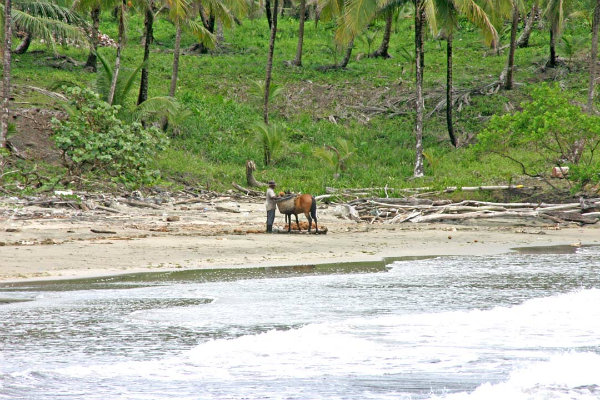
x,y
301,204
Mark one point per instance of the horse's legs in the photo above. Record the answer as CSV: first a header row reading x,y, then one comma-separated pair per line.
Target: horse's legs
x,y
298,223
288,218
307,215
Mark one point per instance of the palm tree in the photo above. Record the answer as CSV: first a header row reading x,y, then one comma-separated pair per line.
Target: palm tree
x,y
298,59
419,100
48,20
593,57
180,14
6,60
523,40
95,9
447,12
120,45
336,10
555,14
383,50
91,62
269,68
148,37
508,83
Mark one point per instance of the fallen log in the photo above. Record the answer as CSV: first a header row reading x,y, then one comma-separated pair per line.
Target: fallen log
x,y
247,192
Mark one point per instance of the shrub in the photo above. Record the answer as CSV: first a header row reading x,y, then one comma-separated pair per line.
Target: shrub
x,y
548,131
94,139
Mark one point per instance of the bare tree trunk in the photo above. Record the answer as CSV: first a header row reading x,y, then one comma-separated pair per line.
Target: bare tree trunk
x,y
508,83
120,45
593,58
24,45
523,40
298,60
176,51
91,62
148,36
420,103
6,60
449,101
383,50
270,64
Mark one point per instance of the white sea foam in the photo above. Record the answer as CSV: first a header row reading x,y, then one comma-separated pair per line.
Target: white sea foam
x,y
563,376
471,341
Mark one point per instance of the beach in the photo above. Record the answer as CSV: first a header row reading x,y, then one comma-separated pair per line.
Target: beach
x,y
65,243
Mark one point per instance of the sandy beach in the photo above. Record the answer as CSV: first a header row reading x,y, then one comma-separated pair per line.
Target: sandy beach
x,y
62,243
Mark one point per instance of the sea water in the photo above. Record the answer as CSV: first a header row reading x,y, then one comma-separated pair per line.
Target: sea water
x,y
516,326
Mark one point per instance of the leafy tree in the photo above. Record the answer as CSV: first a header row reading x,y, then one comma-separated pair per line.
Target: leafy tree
x,y
94,139
555,132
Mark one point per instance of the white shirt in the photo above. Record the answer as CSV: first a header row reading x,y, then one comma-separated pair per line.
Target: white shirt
x,y
270,203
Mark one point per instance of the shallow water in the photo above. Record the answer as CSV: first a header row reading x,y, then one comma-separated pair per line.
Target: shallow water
x,y
503,327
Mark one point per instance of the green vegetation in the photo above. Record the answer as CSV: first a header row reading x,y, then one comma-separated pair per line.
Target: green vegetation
x,y
352,127
93,140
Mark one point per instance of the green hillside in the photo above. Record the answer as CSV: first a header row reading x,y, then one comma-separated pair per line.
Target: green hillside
x,y
366,109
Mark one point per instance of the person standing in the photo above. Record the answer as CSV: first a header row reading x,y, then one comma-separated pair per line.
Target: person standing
x,y
271,204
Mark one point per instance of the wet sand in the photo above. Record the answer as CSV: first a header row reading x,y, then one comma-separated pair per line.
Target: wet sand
x,y
47,243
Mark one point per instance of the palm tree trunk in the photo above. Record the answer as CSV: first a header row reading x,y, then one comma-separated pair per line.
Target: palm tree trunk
x,y
120,45
270,64
449,100
508,83
92,59
523,40
383,50
420,103
552,61
24,45
148,35
268,12
593,58
176,51
347,55
298,60
6,60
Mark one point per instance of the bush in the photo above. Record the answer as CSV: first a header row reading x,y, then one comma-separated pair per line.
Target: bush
x,y
94,139
549,131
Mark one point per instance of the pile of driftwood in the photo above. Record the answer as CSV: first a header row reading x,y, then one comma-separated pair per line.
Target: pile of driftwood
x,y
398,210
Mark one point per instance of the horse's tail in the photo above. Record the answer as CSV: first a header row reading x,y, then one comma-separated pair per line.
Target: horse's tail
x,y
313,209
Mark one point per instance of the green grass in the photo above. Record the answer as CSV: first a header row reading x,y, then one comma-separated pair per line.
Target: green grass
x,y
218,139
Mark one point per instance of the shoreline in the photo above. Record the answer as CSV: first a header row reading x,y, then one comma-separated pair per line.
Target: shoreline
x,y
65,245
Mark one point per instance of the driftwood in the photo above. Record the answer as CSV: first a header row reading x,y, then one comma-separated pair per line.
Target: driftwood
x,y
103,231
252,182
393,211
248,192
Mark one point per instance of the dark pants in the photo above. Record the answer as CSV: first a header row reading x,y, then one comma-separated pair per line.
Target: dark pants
x,y
270,220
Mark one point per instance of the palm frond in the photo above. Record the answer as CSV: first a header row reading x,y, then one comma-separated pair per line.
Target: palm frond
x,y
157,108
50,30
474,13
202,34
357,14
